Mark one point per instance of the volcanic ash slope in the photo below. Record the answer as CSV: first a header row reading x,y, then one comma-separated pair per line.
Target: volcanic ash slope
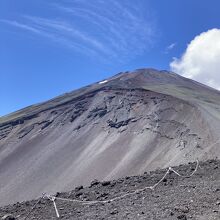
x,y
125,125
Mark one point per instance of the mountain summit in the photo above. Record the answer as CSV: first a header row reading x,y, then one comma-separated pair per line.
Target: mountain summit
x,y
124,125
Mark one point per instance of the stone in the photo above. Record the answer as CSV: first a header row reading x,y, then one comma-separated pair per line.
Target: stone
x,y
78,188
94,183
8,217
115,211
78,194
106,183
182,217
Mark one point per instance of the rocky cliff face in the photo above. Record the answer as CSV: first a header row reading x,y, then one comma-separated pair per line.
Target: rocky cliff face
x,y
121,126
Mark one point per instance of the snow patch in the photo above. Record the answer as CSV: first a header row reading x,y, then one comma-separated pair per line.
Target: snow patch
x,y
102,82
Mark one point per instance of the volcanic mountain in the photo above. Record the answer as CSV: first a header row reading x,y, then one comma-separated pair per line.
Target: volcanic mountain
x,y
125,125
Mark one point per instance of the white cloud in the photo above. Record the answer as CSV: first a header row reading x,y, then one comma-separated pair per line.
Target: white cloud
x,y
169,48
201,60
23,26
40,30
115,30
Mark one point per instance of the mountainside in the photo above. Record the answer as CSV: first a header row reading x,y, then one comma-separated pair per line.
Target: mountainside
x,y
195,197
125,125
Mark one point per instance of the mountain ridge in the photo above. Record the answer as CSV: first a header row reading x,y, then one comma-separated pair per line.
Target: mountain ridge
x,y
133,75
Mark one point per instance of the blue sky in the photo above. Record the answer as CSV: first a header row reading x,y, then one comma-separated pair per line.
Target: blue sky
x,y
51,47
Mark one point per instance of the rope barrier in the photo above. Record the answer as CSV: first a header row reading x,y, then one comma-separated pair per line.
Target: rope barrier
x,y
43,194
197,165
53,198
170,169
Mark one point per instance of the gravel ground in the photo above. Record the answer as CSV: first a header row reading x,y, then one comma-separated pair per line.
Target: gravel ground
x,y
196,198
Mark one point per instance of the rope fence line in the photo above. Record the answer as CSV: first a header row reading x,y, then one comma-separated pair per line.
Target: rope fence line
x,y
55,206
197,166
32,209
169,170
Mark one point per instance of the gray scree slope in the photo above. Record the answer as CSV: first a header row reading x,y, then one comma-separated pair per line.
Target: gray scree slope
x,y
125,125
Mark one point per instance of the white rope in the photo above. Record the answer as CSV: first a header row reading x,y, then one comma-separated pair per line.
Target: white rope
x,y
197,165
156,184
53,198
170,169
43,195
